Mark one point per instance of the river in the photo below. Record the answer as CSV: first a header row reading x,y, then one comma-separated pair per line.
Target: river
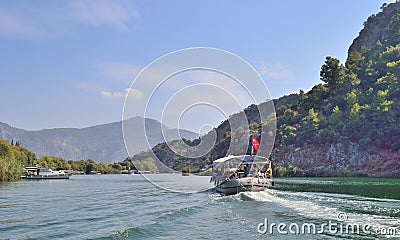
x,y
130,207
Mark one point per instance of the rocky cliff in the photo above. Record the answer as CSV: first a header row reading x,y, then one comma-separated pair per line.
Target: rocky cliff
x,y
375,27
336,159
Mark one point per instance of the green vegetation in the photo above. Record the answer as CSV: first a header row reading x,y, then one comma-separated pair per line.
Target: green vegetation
x,y
185,170
358,101
294,171
291,171
145,165
13,157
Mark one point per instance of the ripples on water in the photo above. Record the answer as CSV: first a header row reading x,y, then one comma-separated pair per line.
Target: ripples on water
x,y
129,207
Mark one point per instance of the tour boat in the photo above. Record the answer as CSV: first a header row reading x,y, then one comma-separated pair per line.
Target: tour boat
x,y
234,174
44,173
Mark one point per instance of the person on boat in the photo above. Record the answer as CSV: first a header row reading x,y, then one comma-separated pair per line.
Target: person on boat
x,y
246,170
232,176
240,171
254,170
269,172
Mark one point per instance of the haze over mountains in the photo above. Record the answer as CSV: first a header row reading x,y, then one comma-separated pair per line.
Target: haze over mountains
x,y
99,143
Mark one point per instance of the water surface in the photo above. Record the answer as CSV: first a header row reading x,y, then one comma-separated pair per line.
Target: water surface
x,y
129,207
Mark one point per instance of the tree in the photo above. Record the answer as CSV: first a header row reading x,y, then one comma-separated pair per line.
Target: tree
x,y
12,158
333,73
317,98
393,31
90,168
287,134
309,127
390,78
336,122
293,171
280,171
102,167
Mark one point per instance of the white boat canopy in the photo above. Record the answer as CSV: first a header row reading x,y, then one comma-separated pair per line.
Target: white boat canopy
x,y
226,166
243,158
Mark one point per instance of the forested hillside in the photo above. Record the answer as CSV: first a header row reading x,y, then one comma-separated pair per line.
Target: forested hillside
x,y
348,124
358,100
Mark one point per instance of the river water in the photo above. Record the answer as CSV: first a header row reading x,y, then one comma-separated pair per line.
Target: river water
x,y
130,207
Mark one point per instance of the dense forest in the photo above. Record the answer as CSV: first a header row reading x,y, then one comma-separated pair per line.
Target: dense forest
x,y
358,100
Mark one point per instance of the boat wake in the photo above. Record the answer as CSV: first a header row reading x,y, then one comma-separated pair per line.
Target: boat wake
x,y
381,214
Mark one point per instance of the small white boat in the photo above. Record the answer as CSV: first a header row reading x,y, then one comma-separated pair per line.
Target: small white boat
x,y
44,173
234,174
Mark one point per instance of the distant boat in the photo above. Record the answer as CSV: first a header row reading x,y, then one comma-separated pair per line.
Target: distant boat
x,y
44,173
234,174
134,172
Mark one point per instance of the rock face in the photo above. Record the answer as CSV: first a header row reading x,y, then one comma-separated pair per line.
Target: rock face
x,y
337,158
374,28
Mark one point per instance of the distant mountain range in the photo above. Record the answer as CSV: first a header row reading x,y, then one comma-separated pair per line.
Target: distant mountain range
x,y
99,143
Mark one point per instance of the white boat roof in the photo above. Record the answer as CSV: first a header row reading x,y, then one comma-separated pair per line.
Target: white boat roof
x,y
241,157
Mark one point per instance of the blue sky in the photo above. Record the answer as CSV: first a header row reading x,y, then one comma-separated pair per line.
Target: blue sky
x,y
69,63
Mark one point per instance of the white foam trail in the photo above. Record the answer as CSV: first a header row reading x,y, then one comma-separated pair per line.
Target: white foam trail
x,y
311,205
304,208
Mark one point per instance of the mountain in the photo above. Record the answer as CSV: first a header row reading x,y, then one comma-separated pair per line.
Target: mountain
x,y
375,28
347,125
99,143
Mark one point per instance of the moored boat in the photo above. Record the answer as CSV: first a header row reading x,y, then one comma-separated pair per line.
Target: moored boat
x,y
234,174
44,173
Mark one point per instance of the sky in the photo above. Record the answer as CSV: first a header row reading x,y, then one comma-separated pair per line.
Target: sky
x,y
72,63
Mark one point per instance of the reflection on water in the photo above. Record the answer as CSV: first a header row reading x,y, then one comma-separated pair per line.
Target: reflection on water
x,y
368,187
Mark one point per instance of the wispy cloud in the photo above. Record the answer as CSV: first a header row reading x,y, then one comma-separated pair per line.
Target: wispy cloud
x,y
104,12
112,95
118,71
22,19
88,87
130,92
113,75
12,25
276,71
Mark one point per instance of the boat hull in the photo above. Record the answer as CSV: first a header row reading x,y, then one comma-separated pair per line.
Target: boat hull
x,y
248,184
42,177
